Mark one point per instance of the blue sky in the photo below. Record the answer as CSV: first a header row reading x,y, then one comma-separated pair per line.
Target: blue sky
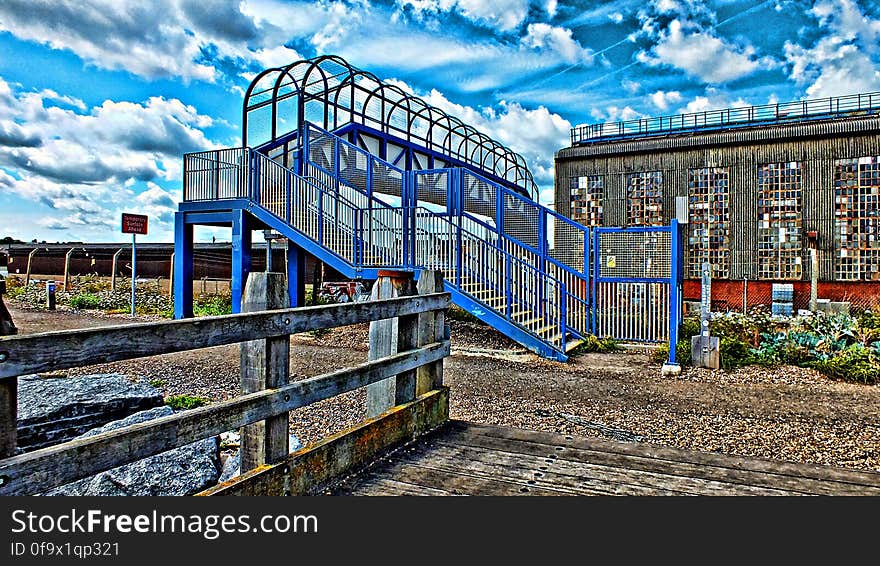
x,y
99,99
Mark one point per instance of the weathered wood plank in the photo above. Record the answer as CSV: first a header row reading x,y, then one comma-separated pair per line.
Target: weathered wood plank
x,y
460,482
8,416
735,469
385,486
310,470
37,471
265,364
578,476
384,339
410,466
432,327
407,339
22,355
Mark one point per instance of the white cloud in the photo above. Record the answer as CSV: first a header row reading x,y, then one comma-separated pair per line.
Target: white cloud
x,y
614,113
155,39
535,133
663,99
703,55
845,59
504,15
630,86
714,99
556,40
85,166
616,17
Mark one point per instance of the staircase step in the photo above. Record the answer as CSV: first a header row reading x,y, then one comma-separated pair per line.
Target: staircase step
x,y
572,344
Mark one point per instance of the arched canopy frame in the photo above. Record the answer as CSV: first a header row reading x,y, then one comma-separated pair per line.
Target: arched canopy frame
x,y
331,93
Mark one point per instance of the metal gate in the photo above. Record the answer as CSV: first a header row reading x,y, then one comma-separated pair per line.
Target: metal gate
x,y
637,283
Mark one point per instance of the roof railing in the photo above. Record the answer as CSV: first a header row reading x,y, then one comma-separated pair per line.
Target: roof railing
x,y
802,110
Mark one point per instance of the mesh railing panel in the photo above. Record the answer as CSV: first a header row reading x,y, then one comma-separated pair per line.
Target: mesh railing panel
x,y
521,219
478,195
635,254
216,174
433,187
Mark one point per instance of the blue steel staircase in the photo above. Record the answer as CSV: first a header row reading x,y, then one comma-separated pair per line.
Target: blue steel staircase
x,y
360,214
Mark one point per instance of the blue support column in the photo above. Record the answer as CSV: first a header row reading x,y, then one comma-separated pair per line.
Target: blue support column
x,y
183,267
674,292
241,256
296,275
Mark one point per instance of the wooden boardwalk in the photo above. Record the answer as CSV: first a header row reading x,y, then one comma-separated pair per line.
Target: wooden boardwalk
x,y
463,458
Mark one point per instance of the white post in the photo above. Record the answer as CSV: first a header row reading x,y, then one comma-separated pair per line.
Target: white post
x,y
133,269
113,274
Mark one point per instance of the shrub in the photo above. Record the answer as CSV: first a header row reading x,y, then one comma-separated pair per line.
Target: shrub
x,y
854,363
595,344
734,353
682,353
178,402
213,305
84,301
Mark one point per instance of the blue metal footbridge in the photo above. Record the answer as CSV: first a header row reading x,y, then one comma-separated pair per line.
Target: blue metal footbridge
x,y
367,177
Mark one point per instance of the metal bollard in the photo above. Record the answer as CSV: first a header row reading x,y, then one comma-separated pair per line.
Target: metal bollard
x,y
50,295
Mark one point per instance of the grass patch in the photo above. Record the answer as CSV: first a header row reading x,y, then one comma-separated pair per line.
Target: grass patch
x,y
85,301
184,402
598,345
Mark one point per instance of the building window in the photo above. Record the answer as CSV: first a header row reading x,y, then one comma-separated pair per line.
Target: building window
x,y
586,200
644,199
709,221
857,219
779,221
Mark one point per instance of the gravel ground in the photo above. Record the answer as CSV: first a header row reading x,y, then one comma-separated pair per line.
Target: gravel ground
x,y
786,413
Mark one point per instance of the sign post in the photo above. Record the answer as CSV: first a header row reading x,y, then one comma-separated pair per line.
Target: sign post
x,y
134,224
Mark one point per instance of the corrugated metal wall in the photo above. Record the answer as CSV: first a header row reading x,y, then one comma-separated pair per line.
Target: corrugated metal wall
x,y
817,146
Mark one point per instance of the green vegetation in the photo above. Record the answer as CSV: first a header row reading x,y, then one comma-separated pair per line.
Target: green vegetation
x,y
84,301
839,346
184,402
595,344
213,304
95,293
157,383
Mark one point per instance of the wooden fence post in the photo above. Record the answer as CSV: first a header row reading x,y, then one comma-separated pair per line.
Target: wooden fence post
x,y
67,268
8,415
386,337
8,388
432,328
265,364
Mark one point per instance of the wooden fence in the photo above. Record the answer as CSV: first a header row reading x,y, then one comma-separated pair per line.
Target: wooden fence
x,y
412,370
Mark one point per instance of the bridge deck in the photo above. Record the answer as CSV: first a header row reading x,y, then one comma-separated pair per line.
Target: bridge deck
x,y
463,458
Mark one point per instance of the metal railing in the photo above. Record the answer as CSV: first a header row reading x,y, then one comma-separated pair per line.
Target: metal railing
x,y
371,233
802,110
491,244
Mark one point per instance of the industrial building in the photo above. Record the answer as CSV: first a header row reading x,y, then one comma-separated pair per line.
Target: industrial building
x,y
763,184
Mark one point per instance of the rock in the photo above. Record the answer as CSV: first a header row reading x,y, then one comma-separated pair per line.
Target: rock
x,y
183,471
232,465
53,410
670,370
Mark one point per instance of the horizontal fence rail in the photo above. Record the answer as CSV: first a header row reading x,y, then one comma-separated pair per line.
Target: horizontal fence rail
x,y
43,469
65,349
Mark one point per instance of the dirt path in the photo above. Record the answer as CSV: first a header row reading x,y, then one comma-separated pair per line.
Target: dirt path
x,y
785,414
